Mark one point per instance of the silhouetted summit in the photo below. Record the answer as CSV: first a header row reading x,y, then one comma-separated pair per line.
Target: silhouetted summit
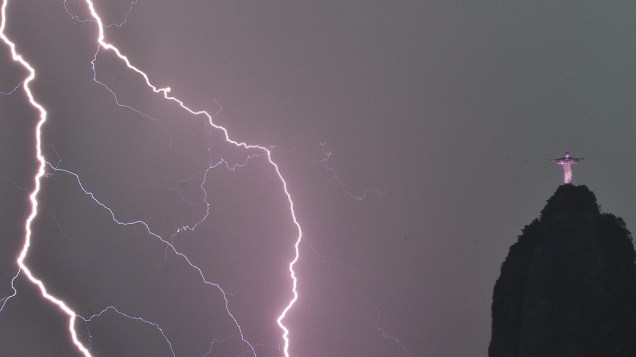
x,y
568,285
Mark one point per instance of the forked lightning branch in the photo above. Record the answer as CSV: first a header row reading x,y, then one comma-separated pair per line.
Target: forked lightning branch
x,y
40,111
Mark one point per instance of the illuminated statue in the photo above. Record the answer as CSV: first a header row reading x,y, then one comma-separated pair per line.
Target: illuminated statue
x,y
567,161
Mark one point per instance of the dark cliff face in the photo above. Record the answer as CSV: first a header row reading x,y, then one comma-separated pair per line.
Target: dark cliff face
x,y
568,285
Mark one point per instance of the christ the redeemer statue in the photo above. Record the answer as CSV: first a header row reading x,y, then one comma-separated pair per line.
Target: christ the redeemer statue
x,y
567,161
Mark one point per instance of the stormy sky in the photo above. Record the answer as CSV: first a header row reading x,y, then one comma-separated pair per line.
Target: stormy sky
x,y
414,138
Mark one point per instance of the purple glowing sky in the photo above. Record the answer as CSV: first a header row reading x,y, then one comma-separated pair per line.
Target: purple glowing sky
x,y
413,136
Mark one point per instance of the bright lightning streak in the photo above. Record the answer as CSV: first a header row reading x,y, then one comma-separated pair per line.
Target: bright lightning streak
x,y
41,172
164,91
33,197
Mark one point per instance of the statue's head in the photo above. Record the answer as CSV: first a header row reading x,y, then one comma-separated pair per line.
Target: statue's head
x,y
567,155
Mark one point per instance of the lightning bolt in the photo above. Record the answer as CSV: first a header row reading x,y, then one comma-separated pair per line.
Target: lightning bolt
x,y
130,317
165,92
37,180
41,172
11,91
76,17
